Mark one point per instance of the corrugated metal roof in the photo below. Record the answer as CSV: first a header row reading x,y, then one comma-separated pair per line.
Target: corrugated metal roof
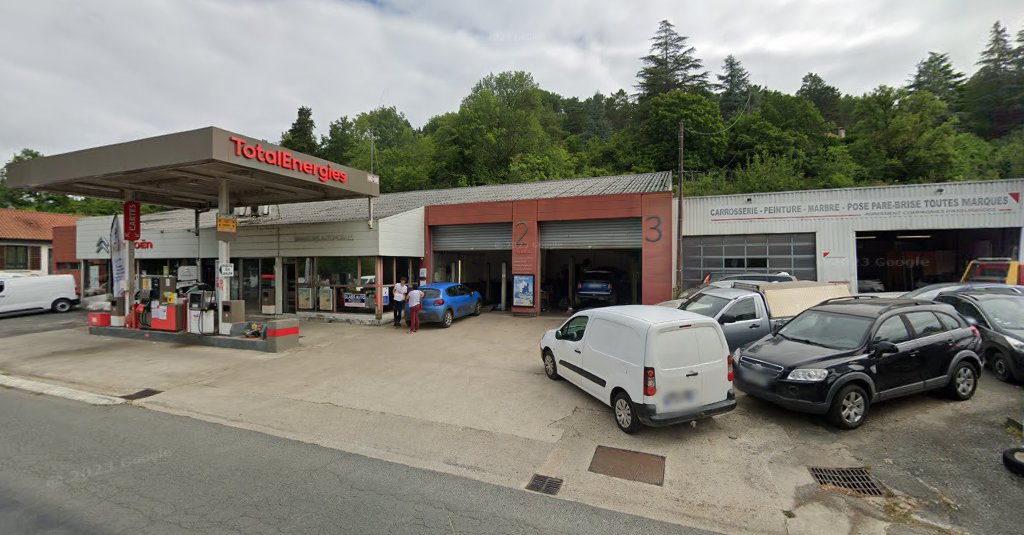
x,y
389,204
35,226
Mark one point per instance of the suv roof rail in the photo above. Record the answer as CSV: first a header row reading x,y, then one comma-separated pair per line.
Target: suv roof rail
x,y
855,297
747,285
994,259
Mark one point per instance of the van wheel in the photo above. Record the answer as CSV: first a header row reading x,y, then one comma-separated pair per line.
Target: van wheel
x,y
447,319
61,305
1001,367
550,368
964,382
625,413
849,408
477,308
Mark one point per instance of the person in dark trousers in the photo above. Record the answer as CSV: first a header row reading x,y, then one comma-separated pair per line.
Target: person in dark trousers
x,y
415,304
400,290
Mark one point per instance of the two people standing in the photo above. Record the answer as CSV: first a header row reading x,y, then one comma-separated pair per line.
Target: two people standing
x,y
415,297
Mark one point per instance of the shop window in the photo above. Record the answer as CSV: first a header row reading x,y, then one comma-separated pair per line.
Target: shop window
x,y
367,270
67,266
337,270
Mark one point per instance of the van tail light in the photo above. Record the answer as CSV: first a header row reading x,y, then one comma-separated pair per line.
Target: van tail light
x,y
438,302
610,286
730,373
650,385
579,285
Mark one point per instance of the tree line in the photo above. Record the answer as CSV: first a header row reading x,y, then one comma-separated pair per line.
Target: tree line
x,y
941,125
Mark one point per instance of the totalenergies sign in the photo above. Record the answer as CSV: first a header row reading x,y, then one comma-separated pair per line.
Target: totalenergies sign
x,y
286,160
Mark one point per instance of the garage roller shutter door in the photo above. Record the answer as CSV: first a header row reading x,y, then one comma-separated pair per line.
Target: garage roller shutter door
x,y
483,237
592,234
749,253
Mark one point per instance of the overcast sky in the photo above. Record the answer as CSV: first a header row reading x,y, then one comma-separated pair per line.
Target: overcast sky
x,y
81,73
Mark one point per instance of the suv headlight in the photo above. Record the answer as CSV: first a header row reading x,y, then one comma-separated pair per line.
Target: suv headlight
x,y
808,375
1015,343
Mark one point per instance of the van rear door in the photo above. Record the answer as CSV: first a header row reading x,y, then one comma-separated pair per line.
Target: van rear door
x,y
690,365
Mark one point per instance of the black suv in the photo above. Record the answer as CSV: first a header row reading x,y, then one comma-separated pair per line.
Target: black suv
x,y
839,357
999,315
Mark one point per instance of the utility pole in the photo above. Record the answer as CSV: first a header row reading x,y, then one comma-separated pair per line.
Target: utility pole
x,y
679,211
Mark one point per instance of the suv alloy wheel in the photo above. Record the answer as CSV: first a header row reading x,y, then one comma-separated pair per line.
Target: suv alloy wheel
x,y
850,407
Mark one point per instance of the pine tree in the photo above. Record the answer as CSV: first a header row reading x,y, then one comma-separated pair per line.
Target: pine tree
x,y
301,136
1018,53
824,96
937,75
992,103
734,84
671,65
998,57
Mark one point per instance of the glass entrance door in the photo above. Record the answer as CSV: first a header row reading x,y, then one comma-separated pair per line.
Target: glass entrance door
x,y
250,284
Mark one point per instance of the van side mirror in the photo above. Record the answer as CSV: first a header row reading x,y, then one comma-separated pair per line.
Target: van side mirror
x,y
726,318
885,348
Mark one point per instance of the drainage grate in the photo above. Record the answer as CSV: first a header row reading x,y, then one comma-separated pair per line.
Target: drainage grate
x,y
856,479
544,484
628,464
144,393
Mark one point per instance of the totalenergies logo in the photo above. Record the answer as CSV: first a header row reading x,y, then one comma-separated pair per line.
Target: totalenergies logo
x,y
286,160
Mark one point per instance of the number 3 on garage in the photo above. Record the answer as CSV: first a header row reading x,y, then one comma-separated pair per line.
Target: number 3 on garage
x,y
653,225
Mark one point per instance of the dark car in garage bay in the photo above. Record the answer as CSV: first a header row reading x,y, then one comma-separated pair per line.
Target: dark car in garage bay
x,y
841,356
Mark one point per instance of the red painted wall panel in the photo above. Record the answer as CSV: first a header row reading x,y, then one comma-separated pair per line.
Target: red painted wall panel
x,y
592,207
525,247
657,248
466,214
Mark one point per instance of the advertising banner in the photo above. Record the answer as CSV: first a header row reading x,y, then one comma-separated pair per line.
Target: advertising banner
x,y
132,221
118,259
522,290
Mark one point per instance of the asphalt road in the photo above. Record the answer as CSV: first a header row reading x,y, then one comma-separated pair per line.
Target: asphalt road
x,y
74,468
42,322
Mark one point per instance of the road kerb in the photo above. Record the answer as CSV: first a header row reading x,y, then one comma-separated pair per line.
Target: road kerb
x,y
58,391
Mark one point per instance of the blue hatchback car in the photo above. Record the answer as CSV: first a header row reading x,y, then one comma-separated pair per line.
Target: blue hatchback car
x,y
443,302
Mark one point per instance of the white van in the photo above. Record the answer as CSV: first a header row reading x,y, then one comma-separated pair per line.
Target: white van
x,y
32,293
653,365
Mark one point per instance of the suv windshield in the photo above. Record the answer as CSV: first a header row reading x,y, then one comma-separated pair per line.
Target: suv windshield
x,y
705,305
1006,313
827,329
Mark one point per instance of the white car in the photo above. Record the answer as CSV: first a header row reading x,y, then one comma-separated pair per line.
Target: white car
x,y
653,365
32,293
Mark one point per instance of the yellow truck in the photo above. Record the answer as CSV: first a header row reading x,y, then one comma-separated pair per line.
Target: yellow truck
x,y
1001,270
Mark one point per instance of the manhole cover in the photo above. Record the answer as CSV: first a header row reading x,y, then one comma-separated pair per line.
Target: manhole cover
x,y
631,465
144,393
544,484
855,479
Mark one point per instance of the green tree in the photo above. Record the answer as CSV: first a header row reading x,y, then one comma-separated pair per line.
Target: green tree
x,y
671,65
901,136
825,97
656,143
937,75
764,172
734,86
384,142
340,141
992,104
505,118
301,136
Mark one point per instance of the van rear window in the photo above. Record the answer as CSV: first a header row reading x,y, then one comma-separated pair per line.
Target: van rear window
x,y
682,348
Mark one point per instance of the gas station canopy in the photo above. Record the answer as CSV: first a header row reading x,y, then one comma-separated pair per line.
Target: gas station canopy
x,y
185,170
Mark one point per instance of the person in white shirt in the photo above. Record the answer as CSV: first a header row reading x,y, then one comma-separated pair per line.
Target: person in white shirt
x,y
399,305
415,304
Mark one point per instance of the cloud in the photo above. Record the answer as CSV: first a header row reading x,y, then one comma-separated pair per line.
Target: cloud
x,y
79,74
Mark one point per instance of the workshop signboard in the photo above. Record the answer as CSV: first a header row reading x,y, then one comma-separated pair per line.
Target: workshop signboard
x,y
925,205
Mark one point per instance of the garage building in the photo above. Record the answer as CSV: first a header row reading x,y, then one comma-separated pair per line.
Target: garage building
x,y
892,238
